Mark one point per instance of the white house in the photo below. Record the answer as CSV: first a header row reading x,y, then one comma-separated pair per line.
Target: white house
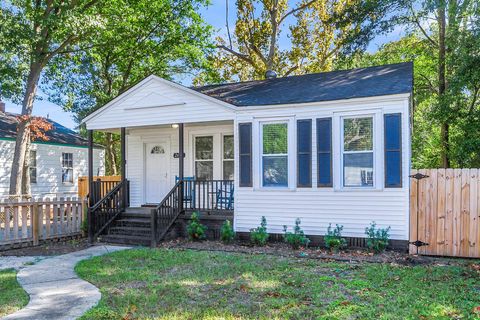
x,y
55,164
328,147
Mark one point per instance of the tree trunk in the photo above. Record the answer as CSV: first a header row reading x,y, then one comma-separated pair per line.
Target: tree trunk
x,y
23,130
110,155
442,82
26,183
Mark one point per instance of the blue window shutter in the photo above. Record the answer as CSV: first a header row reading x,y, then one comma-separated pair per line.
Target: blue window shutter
x,y
304,153
245,154
324,152
393,150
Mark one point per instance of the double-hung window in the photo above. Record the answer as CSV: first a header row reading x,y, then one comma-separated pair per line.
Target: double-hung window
x,y
274,155
228,157
358,152
67,167
32,166
204,158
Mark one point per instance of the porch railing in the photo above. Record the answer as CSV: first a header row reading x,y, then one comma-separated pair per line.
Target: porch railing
x,y
191,195
209,195
105,210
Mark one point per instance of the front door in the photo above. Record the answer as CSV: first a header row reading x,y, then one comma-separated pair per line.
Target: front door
x,y
157,171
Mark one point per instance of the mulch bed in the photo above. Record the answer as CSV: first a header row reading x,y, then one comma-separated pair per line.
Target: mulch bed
x,y
282,249
51,248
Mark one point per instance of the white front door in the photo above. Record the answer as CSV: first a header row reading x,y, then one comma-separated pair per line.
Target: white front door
x,y
157,171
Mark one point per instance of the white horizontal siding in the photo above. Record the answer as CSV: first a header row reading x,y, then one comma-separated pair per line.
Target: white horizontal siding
x,y
192,108
317,207
49,168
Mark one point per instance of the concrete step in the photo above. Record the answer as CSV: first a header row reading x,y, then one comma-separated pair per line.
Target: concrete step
x,y
142,210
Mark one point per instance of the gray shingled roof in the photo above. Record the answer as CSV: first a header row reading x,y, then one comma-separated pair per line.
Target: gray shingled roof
x,y
325,86
58,135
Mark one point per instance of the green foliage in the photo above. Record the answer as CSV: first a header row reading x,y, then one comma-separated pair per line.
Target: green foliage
x,y
377,239
333,239
196,230
259,235
297,238
227,234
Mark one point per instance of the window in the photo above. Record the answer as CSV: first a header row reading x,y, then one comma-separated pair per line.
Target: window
x,y
32,166
67,167
275,154
204,158
228,157
157,150
358,152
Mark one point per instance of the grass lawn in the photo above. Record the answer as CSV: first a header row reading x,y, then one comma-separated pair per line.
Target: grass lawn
x,y
12,296
174,284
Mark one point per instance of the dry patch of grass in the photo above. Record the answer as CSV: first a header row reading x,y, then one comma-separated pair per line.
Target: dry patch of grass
x,y
12,296
184,284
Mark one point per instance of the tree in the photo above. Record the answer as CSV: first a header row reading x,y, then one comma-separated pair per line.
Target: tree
x,y
447,80
163,37
32,34
254,46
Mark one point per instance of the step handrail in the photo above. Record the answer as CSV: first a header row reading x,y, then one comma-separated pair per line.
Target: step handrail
x,y
172,197
107,209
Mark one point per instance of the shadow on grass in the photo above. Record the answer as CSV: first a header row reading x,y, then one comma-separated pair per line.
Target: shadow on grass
x,y
173,284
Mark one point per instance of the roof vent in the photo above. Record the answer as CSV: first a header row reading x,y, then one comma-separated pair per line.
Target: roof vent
x,y
2,106
270,74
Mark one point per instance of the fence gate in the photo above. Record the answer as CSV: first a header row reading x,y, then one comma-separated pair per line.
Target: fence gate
x,y
445,212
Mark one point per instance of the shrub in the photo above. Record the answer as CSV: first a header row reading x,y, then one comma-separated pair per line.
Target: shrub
x,y
226,232
259,236
377,239
196,230
297,238
333,239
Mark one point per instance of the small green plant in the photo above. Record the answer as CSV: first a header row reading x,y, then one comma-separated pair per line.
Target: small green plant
x,y
226,232
297,238
259,236
333,239
196,230
377,239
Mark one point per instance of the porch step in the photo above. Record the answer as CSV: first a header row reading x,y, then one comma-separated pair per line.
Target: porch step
x,y
131,227
126,239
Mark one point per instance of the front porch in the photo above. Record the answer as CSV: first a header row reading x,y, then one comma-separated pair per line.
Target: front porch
x,y
167,173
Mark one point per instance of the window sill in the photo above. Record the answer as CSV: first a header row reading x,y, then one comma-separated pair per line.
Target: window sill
x,y
358,189
271,189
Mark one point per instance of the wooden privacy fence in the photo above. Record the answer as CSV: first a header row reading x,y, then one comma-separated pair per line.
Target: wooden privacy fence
x,y
445,212
108,182
39,219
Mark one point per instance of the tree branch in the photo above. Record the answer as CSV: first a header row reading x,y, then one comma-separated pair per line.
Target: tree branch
x,y
237,54
305,5
419,25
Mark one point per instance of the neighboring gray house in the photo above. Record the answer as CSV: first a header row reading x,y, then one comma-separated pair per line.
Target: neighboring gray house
x,y
56,164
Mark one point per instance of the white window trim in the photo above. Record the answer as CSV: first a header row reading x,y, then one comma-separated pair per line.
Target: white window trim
x,y
222,154
338,145
205,160
72,168
258,156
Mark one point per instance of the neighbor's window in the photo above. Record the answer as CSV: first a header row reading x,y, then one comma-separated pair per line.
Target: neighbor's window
x,y
67,167
32,166
228,157
275,154
204,158
358,152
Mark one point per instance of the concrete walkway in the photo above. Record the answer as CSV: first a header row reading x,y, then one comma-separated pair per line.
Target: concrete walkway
x,y
56,292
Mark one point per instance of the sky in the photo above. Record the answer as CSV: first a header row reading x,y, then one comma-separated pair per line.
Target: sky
x,y
214,15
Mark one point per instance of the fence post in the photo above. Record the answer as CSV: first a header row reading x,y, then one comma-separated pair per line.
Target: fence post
x,y
35,226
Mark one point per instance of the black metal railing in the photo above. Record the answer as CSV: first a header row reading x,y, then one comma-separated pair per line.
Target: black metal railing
x,y
102,213
166,213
